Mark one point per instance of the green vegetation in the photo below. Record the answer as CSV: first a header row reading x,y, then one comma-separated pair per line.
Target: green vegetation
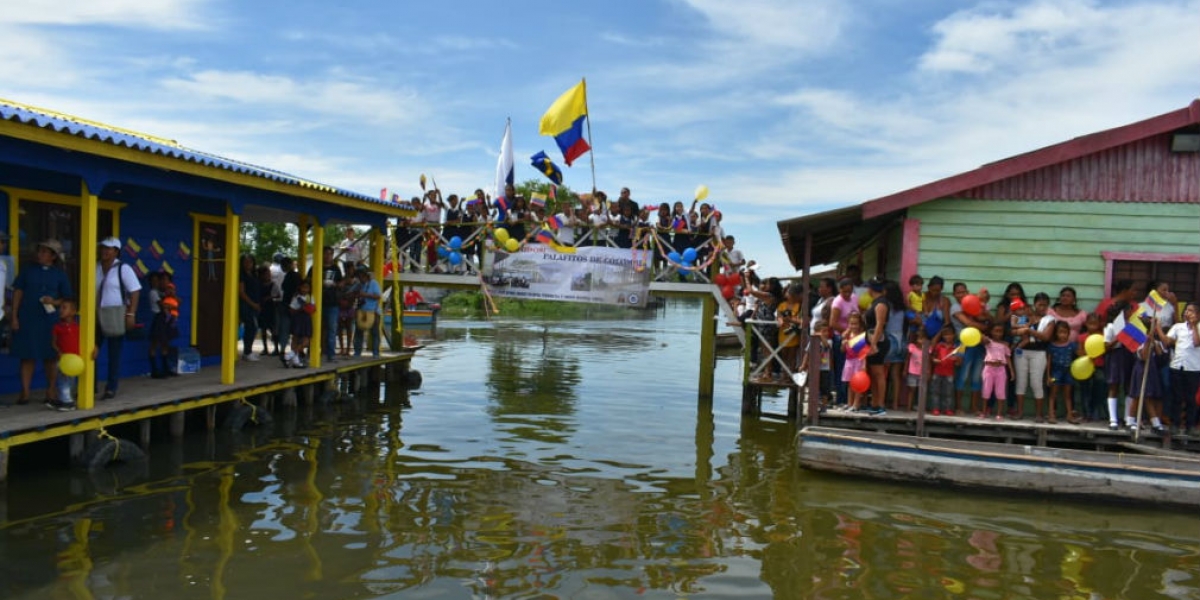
x,y
459,305
263,240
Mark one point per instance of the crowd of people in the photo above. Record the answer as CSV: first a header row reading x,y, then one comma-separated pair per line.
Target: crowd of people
x,y
875,340
587,220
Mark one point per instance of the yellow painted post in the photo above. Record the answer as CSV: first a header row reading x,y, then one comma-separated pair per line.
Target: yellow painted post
x,y
302,260
377,254
89,224
316,347
708,346
229,341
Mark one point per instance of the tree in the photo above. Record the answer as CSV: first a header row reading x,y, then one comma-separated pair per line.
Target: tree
x,y
529,186
264,240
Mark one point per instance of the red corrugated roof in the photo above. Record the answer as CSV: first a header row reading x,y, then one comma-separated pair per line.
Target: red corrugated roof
x,y
1024,164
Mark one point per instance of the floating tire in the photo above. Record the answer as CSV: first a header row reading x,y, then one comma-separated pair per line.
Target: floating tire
x,y
242,415
111,451
412,378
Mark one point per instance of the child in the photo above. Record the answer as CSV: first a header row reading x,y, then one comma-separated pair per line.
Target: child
x,y
945,360
345,316
163,330
1118,364
997,360
1019,318
915,301
1146,358
1092,391
823,333
65,340
1062,351
855,360
916,359
301,309
787,317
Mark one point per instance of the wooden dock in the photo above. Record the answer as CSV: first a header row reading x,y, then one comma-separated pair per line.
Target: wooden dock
x,y
141,399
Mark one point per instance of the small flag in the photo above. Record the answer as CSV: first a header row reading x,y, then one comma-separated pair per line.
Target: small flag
x,y
422,182
1133,334
554,191
473,202
383,194
501,203
184,251
555,222
546,167
141,268
166,266
156,249
132,248
858,343
679,224
537,199
1155,300
544,237
396,198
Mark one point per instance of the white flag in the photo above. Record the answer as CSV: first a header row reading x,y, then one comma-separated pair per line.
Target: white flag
x,y
504,165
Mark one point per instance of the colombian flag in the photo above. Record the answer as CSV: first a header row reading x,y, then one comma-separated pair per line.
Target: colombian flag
x,y
858,343
156,249
564,120
537,199
1133,334
1155,300
542,163
544,237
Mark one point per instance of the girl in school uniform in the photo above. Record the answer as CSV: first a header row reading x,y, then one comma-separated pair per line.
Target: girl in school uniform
x,y
1185,370
1118,364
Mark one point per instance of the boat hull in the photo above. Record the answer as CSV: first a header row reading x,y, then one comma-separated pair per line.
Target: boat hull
x,y
1032,469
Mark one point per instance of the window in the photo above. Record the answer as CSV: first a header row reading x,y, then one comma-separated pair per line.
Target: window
x,y
40,221
1181,272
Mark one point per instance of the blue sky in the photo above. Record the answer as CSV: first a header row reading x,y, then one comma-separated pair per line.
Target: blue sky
x,y
783,108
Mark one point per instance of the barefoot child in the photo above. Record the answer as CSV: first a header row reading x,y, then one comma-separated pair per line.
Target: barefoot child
x,y
1062,352
997,361
945,361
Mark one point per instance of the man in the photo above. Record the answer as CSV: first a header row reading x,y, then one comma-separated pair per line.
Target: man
x,y
4,272
349,249
368,313
329,290
412,298
118,290
283,314
624,199
733,257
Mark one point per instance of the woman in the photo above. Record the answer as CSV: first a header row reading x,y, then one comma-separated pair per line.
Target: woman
x,y
825,290
769,299
1066,309
935,307
1184,338
840,308
1029,360
884,303
1012,292
896,359
38,291
249,296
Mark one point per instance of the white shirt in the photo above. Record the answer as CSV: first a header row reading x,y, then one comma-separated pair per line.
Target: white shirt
x,y
736,258
599,220
276,280
432,213
566,233
109,288
1187,354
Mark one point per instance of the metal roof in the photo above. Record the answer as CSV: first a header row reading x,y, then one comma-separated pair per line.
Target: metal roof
x,y
83,128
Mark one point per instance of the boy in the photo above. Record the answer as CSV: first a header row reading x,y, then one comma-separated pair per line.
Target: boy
x,y
65,340
163,330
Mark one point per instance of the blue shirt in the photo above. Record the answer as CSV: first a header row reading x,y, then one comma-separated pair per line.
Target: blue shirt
x,y
371,287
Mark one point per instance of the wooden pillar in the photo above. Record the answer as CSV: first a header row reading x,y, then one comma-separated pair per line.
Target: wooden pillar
x,y
708,346
210,417
316,350
229,351
176,424
76,444
144,434
89,224
302,260
289,398
814,343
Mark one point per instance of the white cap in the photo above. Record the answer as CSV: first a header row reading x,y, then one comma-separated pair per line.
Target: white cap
x,y
111,242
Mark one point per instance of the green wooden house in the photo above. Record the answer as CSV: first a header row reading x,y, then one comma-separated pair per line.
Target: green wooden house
x,y
1118,204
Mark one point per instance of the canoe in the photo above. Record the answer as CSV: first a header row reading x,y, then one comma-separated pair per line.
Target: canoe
x,y
1101,475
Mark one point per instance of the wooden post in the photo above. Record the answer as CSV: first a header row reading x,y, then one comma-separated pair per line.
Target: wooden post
x,y
229,351
708,346
88,254
289,398
176,424
923,388
210,417
814,379
144,434
76,445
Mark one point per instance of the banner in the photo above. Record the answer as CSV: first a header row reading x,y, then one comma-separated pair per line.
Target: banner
x,y
596,275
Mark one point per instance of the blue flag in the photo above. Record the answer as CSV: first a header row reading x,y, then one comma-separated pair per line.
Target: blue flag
x,y
542,163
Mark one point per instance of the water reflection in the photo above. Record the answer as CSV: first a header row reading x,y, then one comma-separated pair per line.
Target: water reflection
x,y
541,479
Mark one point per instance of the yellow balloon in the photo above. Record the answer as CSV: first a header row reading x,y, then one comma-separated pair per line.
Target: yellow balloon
x,y
1094,345
1082,368
701,192
864,301
512,245
70,365
501,235
970,337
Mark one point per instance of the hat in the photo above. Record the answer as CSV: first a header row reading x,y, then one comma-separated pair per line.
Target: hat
x,y
1016,304
875,285
111,242
53,245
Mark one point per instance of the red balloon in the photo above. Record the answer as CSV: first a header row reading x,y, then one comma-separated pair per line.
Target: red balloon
x,y
860,382
719,279
728,292
971,305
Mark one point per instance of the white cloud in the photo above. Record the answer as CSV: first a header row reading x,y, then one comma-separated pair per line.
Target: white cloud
x,y
153,14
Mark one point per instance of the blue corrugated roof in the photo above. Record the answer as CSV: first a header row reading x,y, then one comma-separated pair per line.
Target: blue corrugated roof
x,y
62,123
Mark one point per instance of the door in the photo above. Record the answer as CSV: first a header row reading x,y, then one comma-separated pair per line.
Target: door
x,y
209,291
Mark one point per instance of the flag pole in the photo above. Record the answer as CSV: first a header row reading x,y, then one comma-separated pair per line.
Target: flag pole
x,y
592,152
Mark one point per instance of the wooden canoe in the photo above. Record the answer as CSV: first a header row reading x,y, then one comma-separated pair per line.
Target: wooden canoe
x,y
1157,480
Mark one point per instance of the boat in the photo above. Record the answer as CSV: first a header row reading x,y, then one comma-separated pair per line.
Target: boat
x,y
423,313
728,339
1159,480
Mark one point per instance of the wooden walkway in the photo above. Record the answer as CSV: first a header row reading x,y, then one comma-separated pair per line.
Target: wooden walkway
x,y
141,398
